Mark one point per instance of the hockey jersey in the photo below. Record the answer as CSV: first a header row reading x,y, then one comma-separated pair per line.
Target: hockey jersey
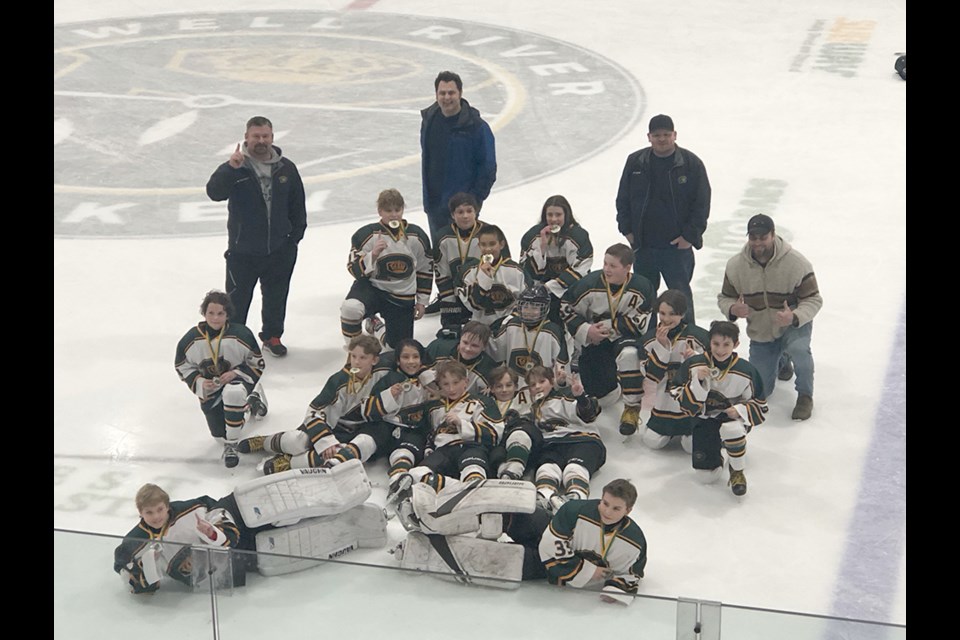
x,y
478,369
662,365
403,270
522,348
491,298
626,308
338,406
204,353
561,416
146,554
568,257
467,420
577,542
733,383
454,247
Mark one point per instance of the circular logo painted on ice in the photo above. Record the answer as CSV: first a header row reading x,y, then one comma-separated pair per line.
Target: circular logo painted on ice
x,y
146,109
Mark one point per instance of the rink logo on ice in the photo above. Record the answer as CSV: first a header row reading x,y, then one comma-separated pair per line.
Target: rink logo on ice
x,y
146,109
842,47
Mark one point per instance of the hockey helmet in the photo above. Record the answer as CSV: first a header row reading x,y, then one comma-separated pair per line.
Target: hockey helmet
x,y
534,304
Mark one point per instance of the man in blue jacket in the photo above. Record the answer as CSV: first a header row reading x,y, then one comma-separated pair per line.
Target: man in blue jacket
x,y
267,215
458,153
662,209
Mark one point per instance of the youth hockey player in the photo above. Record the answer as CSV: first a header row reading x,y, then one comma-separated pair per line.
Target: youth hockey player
x,y
463,426
527,337
725,393
202,521
456,244
469,350
594,544
391,263
492,282
668,344
572,450
221,363
556,252
333,417
607,312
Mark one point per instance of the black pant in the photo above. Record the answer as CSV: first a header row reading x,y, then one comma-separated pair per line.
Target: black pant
x,y
274,272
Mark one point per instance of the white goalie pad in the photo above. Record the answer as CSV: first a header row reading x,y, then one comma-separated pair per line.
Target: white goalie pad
x,y
457,510
288,497
324,537
464,559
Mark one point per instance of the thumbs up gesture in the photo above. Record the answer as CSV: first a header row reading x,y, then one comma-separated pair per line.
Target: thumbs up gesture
x,y
740,309
236,158
785,315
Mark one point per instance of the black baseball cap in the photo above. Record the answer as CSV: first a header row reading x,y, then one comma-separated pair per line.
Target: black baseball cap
x,y
659,122
760,224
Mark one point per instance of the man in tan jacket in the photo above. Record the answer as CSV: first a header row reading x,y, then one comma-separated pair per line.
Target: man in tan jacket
x,y
773,286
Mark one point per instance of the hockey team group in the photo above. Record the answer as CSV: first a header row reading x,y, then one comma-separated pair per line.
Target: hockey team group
x,y
489,431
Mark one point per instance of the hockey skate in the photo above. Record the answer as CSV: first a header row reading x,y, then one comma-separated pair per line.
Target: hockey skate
x,y
510,471
556,501
230,457
257,401
373,325
629,420
252,444
276,464
738,482
399,489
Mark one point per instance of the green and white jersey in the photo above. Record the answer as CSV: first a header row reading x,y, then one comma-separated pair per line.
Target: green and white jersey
x,y
661,366
403,270
204,353
567,257
339,405
577,542
624,309
490,298
732,383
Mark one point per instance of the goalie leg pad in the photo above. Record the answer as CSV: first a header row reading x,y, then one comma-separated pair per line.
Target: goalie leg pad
x,y
287,497
464,559
288,549
457,508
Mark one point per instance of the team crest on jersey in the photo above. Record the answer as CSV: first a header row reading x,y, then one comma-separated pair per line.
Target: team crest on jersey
x,y
500,295
556,265
523,361
210,370
395,267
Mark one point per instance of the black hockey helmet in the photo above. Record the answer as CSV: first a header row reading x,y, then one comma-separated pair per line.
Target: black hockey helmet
x,y
533,305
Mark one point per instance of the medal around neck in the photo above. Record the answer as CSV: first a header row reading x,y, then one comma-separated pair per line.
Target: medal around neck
x,y
555,228
354,371
394,224
487,258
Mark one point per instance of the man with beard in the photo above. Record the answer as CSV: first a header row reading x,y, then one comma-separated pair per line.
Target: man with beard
x,y
773,286
267,215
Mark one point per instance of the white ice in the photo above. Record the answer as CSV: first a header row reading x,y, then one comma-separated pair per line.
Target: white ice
x,y
721,69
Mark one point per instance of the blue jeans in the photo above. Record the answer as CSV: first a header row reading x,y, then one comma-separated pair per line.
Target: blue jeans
x,y
795,341
676,266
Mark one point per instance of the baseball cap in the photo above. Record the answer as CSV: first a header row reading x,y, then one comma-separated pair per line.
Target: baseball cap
x,y
659,122
760,224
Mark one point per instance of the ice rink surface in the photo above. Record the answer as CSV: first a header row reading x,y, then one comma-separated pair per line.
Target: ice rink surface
x,y
794,108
